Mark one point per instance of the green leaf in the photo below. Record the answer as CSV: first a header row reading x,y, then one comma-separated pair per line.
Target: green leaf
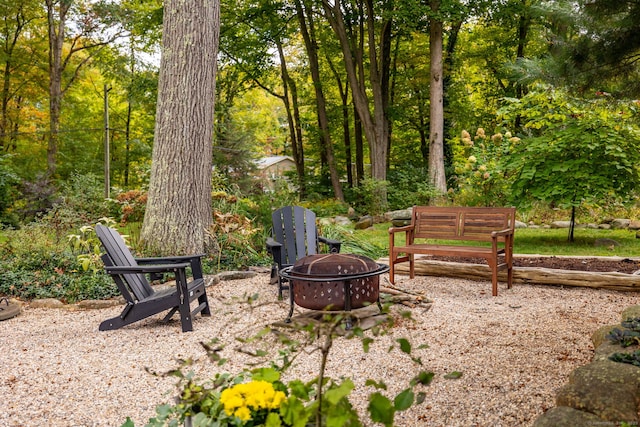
x,y
334,394
366,343
265,374
453,375
424,378
380,409
405,345
404,400
379,385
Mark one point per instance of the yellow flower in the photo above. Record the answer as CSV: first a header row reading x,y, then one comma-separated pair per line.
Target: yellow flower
x,y
480,133
465,134
240,399
243,413
472,159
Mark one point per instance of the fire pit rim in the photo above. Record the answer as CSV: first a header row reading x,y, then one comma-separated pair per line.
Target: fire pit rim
x,y
288,274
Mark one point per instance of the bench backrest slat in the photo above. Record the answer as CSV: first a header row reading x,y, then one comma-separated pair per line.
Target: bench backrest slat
x,y
461,223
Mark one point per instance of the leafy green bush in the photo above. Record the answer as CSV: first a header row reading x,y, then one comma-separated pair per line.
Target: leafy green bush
x,y
409,186
35,264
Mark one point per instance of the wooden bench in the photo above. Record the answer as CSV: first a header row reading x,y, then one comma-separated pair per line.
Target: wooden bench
x,y
494,225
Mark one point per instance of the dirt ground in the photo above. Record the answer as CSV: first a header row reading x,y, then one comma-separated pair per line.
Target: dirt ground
x,y
625,265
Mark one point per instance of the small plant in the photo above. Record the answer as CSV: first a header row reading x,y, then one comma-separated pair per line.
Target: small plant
x,y
631,358
258,397
632,324
87,246
624,337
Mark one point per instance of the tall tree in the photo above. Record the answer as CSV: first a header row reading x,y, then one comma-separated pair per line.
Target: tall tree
x,y
178,213
307,27
85,37
436,118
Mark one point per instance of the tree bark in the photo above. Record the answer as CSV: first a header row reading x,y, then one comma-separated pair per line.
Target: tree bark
x,y
179,211
436,117
307,28
374,124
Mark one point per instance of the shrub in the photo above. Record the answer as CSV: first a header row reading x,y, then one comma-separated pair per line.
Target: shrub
x,y
34,264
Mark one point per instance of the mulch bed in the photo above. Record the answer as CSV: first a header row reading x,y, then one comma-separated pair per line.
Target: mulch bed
x,y
625,265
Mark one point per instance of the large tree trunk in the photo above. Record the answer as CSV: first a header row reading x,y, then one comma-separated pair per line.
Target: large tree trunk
x,y
374,125
178,212
436,120
56,26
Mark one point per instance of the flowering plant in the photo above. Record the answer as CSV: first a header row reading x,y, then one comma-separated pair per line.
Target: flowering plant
x,y
255,402
480,170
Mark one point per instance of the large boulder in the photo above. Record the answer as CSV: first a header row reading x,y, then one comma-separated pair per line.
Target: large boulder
x,y
604,388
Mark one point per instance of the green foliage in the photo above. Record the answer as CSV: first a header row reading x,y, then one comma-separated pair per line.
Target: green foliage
x,y
481,178
573,152
409,186
366,196
8,194
628,336
352,242
631,358
624,337
33,264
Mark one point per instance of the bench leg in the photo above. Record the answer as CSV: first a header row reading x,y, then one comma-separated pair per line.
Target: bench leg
x,y
493,265
412,264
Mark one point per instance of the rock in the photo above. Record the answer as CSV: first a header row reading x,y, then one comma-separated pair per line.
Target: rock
x,y
400,222
520,224
599,337
634,224
402,214
608,348
604,226
364,223
604,388
46,303
631,312
236,275
563,416
342,220
560,224
592,226
620,223
91,304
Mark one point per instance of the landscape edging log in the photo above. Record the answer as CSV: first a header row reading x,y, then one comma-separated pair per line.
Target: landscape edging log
x,y
524,275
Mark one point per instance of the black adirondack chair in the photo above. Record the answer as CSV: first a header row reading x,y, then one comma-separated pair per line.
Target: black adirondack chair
x,y
294,235
142,300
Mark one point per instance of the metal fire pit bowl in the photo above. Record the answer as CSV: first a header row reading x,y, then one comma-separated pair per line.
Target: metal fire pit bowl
x,y
321,281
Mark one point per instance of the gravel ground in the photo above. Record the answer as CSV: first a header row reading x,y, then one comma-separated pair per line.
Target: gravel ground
x,y
513,351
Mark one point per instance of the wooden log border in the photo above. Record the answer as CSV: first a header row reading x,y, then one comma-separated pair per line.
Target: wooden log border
x,y
524,275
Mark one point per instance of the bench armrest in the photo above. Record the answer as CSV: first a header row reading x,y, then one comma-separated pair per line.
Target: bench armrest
x,y
400,229
505,232
408,230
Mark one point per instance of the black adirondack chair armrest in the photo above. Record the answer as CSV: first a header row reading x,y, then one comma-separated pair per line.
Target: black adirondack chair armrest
x,y
167,260
194,260
334,245
273,246
143,269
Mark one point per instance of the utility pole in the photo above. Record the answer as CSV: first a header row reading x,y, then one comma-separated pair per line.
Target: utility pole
x,y
107,160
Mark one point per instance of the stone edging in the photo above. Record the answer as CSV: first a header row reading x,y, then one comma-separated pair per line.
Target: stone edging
x,y
600,393
118,301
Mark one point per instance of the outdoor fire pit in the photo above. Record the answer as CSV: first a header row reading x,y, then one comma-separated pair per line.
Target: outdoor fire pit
x,y
333,282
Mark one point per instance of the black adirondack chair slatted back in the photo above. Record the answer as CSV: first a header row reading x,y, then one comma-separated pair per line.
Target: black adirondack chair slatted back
x,y
120,255
295,227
